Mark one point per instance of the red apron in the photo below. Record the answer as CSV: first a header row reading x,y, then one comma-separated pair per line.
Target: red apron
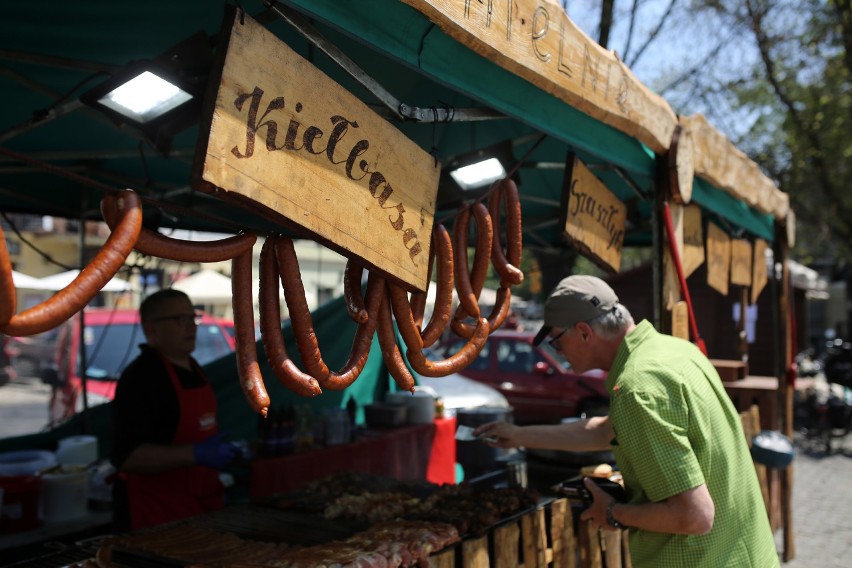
x,y
162,497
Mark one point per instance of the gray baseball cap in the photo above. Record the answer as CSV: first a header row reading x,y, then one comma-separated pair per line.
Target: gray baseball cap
x,y
576,298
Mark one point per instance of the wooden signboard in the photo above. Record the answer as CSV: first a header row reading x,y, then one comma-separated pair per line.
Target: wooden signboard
x,y
671,282
718,258
692,254
758,278
287,137
680,320
741,262
593,217
690,241
535,40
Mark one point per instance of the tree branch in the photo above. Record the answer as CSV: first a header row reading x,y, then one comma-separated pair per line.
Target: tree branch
x,y
653,35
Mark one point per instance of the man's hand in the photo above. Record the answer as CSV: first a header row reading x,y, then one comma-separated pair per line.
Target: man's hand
x,y
505,434
215,452
596,512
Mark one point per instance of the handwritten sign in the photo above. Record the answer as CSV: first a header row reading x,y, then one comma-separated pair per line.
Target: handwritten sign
x,y
718,258
536,40
287,137
758,277
593,216
741,262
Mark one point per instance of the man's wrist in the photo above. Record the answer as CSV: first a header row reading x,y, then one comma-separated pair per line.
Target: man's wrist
x,y
610,516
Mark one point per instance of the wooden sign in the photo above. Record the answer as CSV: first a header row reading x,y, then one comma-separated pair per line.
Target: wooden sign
x,y
593,217
681,165
535,40
758,277
790,225
693,240
741,262
680,320
718,258
671,282
287,137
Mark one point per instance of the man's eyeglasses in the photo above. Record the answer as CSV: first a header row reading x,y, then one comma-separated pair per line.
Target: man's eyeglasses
x,y
554,341
181,319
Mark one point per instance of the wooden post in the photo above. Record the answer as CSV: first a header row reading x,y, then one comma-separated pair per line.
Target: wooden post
x,y
564,546
475,553
506,546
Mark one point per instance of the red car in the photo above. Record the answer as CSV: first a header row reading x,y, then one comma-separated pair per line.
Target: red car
x,y
112,340
537,381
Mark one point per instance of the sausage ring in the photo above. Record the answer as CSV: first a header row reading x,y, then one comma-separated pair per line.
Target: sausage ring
x,y
91,279
251,379
507,265
153,243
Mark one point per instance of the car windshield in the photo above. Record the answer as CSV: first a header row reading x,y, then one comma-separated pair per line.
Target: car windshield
x,y
109,348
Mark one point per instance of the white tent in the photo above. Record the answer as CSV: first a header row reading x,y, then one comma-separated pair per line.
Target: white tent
x,y
59,281
25,281
206,287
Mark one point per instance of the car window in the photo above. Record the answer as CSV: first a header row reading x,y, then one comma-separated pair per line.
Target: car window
x,y
210,344
478,364
515,356
109,349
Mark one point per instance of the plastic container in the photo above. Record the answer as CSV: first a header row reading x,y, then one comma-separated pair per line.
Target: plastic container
x,y
64,496
380,415
77,451
25,462
20,510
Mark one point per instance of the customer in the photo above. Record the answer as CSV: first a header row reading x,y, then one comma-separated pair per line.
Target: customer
x,y
693,495
166,445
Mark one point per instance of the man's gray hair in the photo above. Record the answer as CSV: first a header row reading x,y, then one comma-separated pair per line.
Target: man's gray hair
x,y
612,324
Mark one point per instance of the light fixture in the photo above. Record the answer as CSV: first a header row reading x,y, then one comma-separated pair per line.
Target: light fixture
x,y
479,173
145,97
159,97
468,176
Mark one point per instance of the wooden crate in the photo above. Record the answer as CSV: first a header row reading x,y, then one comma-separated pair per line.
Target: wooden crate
x,y
545,538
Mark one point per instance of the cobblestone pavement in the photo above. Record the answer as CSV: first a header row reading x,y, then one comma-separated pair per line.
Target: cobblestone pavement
x,y
822,505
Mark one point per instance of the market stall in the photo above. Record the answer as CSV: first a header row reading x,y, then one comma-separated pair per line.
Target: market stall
x,y
290,94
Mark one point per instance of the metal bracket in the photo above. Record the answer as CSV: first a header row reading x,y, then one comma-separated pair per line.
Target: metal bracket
x,y
398,110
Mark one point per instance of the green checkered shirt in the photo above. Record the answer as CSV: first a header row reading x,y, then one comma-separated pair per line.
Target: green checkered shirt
x,y
676,428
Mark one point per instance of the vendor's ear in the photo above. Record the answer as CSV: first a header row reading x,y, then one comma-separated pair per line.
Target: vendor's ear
x,y
584,329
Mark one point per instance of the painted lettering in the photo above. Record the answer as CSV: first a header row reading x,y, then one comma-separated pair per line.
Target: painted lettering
x,y
315,142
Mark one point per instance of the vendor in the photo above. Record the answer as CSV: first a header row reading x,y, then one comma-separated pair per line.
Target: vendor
x,y
166,445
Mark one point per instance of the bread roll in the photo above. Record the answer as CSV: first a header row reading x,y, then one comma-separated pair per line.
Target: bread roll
x,y
600,470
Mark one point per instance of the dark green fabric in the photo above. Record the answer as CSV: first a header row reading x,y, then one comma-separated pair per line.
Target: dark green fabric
x,y
737,212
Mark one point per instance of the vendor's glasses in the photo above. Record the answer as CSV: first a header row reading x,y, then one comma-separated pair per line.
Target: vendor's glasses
x,y
554,341
181,319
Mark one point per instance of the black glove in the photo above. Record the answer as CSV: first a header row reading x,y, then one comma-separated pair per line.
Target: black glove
x,y
215,452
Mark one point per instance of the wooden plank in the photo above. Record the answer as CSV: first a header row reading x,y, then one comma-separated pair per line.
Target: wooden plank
x,y
718,258
692,254
680,320
592,216
725,166
536,40
758,277
506,543
741,266
475,553
612,554
563,543
533,538
285,136
671,282
590,546
444,559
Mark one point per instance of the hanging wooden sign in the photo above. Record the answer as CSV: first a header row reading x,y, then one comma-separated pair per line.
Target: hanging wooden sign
x,y
693,239
759,276
592,216
718,258
741,262
680,320
288,138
